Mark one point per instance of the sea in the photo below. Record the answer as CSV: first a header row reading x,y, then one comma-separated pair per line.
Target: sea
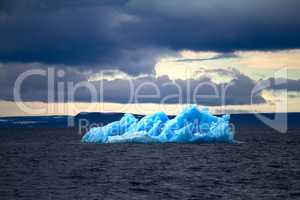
x,y
50,162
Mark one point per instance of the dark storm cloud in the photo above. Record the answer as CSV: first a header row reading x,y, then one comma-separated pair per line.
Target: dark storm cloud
x,y
282,84
146,89
220,25
131,35
83,36
201,91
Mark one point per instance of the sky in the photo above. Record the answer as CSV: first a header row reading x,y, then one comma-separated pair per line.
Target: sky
x,y
63,57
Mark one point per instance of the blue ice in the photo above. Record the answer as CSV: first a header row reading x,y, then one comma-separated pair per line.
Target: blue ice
x,y
189,126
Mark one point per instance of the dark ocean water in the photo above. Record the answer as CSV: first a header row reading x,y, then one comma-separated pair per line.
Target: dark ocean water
x,y
50,163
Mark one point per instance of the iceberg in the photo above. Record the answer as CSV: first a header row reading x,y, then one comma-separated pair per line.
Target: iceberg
x,y
189,126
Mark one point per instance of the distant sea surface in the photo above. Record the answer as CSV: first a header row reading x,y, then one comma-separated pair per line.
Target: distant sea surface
x,y
52,163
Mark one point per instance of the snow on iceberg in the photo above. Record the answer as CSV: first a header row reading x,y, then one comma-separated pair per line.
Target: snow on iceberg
x,y
189,126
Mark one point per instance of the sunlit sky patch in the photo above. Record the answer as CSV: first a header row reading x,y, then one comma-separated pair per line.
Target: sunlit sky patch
x,y
256,64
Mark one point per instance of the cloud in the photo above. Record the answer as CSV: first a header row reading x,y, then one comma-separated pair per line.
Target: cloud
x,y
131,35
231,72
72,85
282,84
81,35
217,57
218,25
